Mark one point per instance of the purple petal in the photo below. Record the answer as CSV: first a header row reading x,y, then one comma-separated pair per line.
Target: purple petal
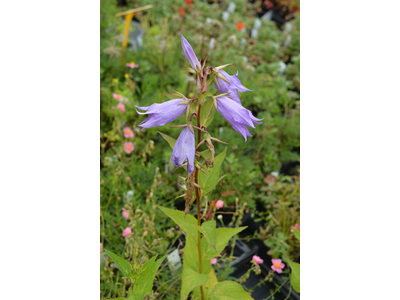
x,y
233,87
184,150
162,113
189,53
238,116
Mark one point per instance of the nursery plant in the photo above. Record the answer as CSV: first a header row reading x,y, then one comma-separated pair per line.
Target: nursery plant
x,y
139,183
204,242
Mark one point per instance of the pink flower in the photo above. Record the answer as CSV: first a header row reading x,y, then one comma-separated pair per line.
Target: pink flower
x,y
219,204
128,133
257,260
277,265
128,146
213,261
127,231
296,226
132,65
159,182
121,107
116,96
125,213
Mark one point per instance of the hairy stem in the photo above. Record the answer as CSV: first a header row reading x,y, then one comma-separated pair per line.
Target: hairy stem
x,y
198,197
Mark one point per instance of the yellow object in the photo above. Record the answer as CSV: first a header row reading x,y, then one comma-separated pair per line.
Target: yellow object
x,y
126,76
129,14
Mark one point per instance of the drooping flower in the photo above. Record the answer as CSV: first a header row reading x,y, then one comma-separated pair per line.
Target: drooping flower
x,y
162,113
132,65
125,213
181,11
184,150
239,26
121,107
101,248
277,265
213,261
237,115
232,87
116,96
128,133
128,147
189,53
219,204
295,226
127,231
257,260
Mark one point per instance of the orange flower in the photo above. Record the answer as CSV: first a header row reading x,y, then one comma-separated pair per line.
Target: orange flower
x,y
239,26
181,11
189,2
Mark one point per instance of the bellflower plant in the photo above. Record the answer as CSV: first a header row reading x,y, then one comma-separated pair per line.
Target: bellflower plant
x,y
204,242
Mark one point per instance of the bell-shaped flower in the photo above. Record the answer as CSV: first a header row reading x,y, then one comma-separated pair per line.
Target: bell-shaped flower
x,y
162,113
184,149
232,87
237,115
189,53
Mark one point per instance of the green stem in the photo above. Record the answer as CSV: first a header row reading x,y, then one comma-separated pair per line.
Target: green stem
x,y
198,197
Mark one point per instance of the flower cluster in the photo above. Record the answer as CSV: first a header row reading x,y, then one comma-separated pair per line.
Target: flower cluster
x,y
228,104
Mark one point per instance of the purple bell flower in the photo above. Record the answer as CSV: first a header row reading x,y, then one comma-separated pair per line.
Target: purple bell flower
x,y
184,150
189,53
162,113
234,86
237,115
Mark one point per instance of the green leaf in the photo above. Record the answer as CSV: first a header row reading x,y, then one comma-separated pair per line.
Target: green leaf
x,y
207,113
188,223
190,280
228,290
223,235
208,230
144,283
296,233
209,180
207,287
171,141
295,276
206,154
124,266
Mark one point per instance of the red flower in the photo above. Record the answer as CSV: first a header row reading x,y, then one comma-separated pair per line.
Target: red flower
x,y
269,5
239,25
189,2
181,11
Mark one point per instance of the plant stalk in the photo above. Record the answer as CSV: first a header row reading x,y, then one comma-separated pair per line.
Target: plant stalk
x,y
198,197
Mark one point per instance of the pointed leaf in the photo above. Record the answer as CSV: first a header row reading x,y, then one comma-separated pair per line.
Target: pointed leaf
x,y
206,154
124,266
228,290
227,193
188,223
190,280
207,287
210,179
207,113
295,275
171,141
144,283
208,230
223,235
